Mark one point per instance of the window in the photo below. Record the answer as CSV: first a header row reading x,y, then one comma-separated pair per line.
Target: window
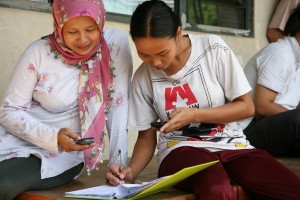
x,y
45,1
233,17
126,6
221,16
121,10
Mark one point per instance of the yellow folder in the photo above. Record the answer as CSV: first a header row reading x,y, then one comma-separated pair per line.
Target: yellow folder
x,y
172,180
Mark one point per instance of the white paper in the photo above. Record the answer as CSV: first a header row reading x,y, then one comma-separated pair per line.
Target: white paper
x,y
106,191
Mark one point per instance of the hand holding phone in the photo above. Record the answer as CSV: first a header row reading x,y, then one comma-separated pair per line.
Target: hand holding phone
x,y
84,141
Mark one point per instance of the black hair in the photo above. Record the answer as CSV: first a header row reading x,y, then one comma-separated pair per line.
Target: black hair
x,y
154,18
293,24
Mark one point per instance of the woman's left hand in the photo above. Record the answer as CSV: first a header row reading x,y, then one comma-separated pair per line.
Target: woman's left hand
x,y
67,140
179,118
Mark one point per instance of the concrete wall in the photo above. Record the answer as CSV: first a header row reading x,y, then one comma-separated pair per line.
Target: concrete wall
x,y
20,27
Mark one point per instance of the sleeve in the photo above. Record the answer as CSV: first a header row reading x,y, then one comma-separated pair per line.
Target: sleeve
x,y
273,73
118,113
250,71
141,104
282,13
229,71
17,102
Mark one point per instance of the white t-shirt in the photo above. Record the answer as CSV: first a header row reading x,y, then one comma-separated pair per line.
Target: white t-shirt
x,y
289,97
211,77
273,66
42,97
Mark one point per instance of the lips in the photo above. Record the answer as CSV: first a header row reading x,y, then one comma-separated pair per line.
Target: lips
x,y
159,67
83,48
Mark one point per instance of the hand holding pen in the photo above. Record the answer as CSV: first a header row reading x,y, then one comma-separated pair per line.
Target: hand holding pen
x,y
120,160
118,174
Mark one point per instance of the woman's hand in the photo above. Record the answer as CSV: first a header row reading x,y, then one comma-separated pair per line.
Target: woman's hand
x,y
240,108
116,176
179,118
67,140
143,151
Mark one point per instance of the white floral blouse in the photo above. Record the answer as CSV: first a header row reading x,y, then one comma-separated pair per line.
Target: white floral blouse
x,y
42,97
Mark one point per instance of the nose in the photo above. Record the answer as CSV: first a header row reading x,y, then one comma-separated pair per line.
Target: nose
x,y
82,38
155,62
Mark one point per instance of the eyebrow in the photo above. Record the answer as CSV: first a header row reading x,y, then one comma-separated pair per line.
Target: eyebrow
x,y
74,28
161,52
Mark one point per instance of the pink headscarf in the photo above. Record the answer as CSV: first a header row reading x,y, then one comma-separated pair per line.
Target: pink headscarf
x,y
95,75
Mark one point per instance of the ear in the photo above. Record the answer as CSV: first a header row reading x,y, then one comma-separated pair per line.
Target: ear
x,y
297,36
179,33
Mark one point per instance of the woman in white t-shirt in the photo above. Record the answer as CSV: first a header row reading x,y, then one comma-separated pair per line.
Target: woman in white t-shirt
x,y
195,84
274,74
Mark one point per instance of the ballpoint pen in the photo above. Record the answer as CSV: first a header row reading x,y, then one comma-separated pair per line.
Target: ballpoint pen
x,y
120,162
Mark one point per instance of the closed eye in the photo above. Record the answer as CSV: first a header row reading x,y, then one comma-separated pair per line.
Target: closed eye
x,y
163,53
91,29
72,32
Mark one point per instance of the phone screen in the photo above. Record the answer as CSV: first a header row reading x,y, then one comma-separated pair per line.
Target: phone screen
x,y
157,124
85,141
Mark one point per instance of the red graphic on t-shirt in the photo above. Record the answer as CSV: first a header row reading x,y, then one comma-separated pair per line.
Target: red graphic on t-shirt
x,y
179,95
218,129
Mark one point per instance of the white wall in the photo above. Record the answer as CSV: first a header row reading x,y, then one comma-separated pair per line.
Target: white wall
x,y
19,28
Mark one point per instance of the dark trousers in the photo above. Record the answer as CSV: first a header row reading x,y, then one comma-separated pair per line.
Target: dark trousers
x,y
278,134
256,171
21,174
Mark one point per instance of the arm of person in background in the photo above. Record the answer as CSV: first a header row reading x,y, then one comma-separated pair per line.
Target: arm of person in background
x,y
279,19
143,152
274,34
240,108
118,114
265,102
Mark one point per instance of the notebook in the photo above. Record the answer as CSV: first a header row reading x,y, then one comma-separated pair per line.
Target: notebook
x,y
136,191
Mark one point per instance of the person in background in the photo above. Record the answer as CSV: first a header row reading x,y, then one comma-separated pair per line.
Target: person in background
x,y
279,19
274,74
195,82
66,86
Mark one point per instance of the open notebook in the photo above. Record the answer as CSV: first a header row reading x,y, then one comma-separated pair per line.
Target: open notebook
x,y
136,191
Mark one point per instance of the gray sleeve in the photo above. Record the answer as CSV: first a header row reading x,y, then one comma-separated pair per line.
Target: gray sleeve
x,y
118,114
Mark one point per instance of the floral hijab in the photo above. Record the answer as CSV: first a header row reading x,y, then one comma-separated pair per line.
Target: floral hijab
x,y
95,75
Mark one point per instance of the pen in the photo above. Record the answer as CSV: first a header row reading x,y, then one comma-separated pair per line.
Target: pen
x,y
120,162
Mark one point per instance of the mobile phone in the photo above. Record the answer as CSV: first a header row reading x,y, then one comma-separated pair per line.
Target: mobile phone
x,y
85,141
158,124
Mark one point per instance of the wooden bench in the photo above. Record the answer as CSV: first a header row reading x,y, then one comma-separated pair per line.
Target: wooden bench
x,y
96,179
149,173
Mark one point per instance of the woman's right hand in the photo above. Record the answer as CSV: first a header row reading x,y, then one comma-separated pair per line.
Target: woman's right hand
x,y
67,140
115,177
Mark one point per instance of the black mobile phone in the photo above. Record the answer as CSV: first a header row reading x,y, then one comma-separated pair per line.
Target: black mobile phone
x,y
85,141
158,124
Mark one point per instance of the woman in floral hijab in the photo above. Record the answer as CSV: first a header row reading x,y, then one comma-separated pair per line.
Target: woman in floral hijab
x,y
72,84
